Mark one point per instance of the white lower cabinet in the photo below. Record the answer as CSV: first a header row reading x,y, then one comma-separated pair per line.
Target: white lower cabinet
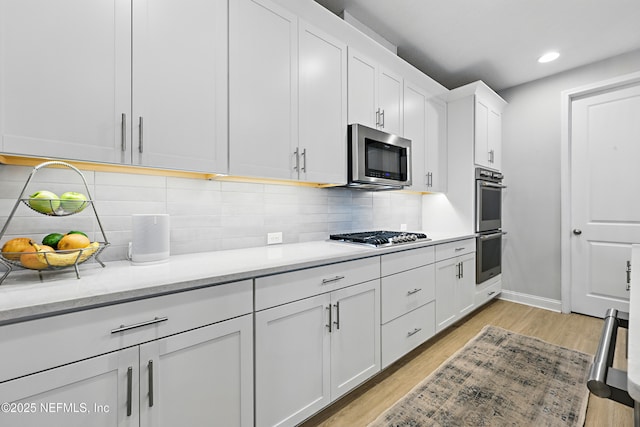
x,y
176,362
455,289
312,351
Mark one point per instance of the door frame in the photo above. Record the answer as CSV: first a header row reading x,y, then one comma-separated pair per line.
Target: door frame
x,y
567,98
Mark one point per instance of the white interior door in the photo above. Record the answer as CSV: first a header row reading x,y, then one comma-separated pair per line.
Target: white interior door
x,y
605,207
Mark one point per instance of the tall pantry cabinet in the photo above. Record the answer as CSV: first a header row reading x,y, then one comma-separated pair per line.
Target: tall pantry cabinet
x,y
110,81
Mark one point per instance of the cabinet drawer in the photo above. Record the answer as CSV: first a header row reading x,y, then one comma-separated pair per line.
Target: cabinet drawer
x,y
287,287
407,332
407,291
453,249
57,340
485,293
406,260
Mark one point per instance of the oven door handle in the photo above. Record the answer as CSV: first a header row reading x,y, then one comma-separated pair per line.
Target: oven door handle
x,y
491,184
492,235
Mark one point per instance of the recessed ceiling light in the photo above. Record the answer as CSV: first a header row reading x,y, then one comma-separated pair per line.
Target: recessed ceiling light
x,y
548,57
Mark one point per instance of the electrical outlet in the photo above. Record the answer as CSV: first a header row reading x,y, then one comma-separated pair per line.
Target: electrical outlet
x,y
403,227
274,238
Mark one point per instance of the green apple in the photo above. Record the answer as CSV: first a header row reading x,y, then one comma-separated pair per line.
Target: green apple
x,y
72,201
45,202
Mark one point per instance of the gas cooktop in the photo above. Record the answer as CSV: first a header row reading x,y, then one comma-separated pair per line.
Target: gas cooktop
x,y
380,238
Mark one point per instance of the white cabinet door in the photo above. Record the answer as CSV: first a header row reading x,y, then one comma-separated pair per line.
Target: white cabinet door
x,y
323,107
65,73
363,87
292,361
199,378
415,129
355,336
455,289
179,118
436,145
390,102
99,392
446,282
375,94
263,89
466,285
488,135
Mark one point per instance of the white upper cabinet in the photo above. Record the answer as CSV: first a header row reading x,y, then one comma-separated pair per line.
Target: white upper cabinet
x,y
478,105
288,96
323,107
436,145
65,77
140,83
179,118
425,124
375,94
263,89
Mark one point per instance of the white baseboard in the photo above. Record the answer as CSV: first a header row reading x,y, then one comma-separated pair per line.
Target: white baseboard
x,y
532,300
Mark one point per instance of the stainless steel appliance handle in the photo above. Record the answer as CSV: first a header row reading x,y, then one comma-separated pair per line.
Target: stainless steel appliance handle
x,y
491,184
123,328
492,235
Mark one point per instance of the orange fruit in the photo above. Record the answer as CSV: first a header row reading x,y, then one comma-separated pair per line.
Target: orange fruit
x,y
11,250
73,241
30,260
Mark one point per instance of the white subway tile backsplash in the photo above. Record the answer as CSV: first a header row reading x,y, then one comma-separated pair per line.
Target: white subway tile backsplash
x,y
206,215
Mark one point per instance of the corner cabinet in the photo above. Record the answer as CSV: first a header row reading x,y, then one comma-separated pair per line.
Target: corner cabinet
x,y
288,96
310,351
375,94
121,88
172,362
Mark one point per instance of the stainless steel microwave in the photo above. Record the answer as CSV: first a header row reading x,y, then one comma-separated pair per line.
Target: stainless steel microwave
x,y
377,160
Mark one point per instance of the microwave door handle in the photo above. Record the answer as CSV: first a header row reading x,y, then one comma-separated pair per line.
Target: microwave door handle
x,y
490,184
492,235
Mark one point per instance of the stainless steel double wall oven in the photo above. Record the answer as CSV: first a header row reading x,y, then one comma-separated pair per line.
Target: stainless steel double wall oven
x,y
488,224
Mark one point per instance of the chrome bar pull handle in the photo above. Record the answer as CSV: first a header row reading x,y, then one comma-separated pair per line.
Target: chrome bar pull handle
x,y
129,390
378,117
331,280
123,328
296,153
461,270
382,117
415,291
628,275
337,322
304,160
123,132
140,134
330,319
459,249
150,369
415,331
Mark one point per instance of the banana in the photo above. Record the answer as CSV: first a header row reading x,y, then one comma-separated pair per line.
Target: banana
x,y
65,259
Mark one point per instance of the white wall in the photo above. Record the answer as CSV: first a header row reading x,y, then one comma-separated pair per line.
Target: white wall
x,y
204,215
531,165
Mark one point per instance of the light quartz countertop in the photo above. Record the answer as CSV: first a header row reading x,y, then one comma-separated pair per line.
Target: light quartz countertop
x,y
633,339
23,296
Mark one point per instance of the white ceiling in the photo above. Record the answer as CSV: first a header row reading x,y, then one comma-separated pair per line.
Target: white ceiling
x,y
499,41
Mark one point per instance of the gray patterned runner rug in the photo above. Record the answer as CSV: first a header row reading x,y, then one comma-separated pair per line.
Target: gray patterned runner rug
x,y
499,378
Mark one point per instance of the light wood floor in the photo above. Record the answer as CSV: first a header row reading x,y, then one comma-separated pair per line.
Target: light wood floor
x,y
573,331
